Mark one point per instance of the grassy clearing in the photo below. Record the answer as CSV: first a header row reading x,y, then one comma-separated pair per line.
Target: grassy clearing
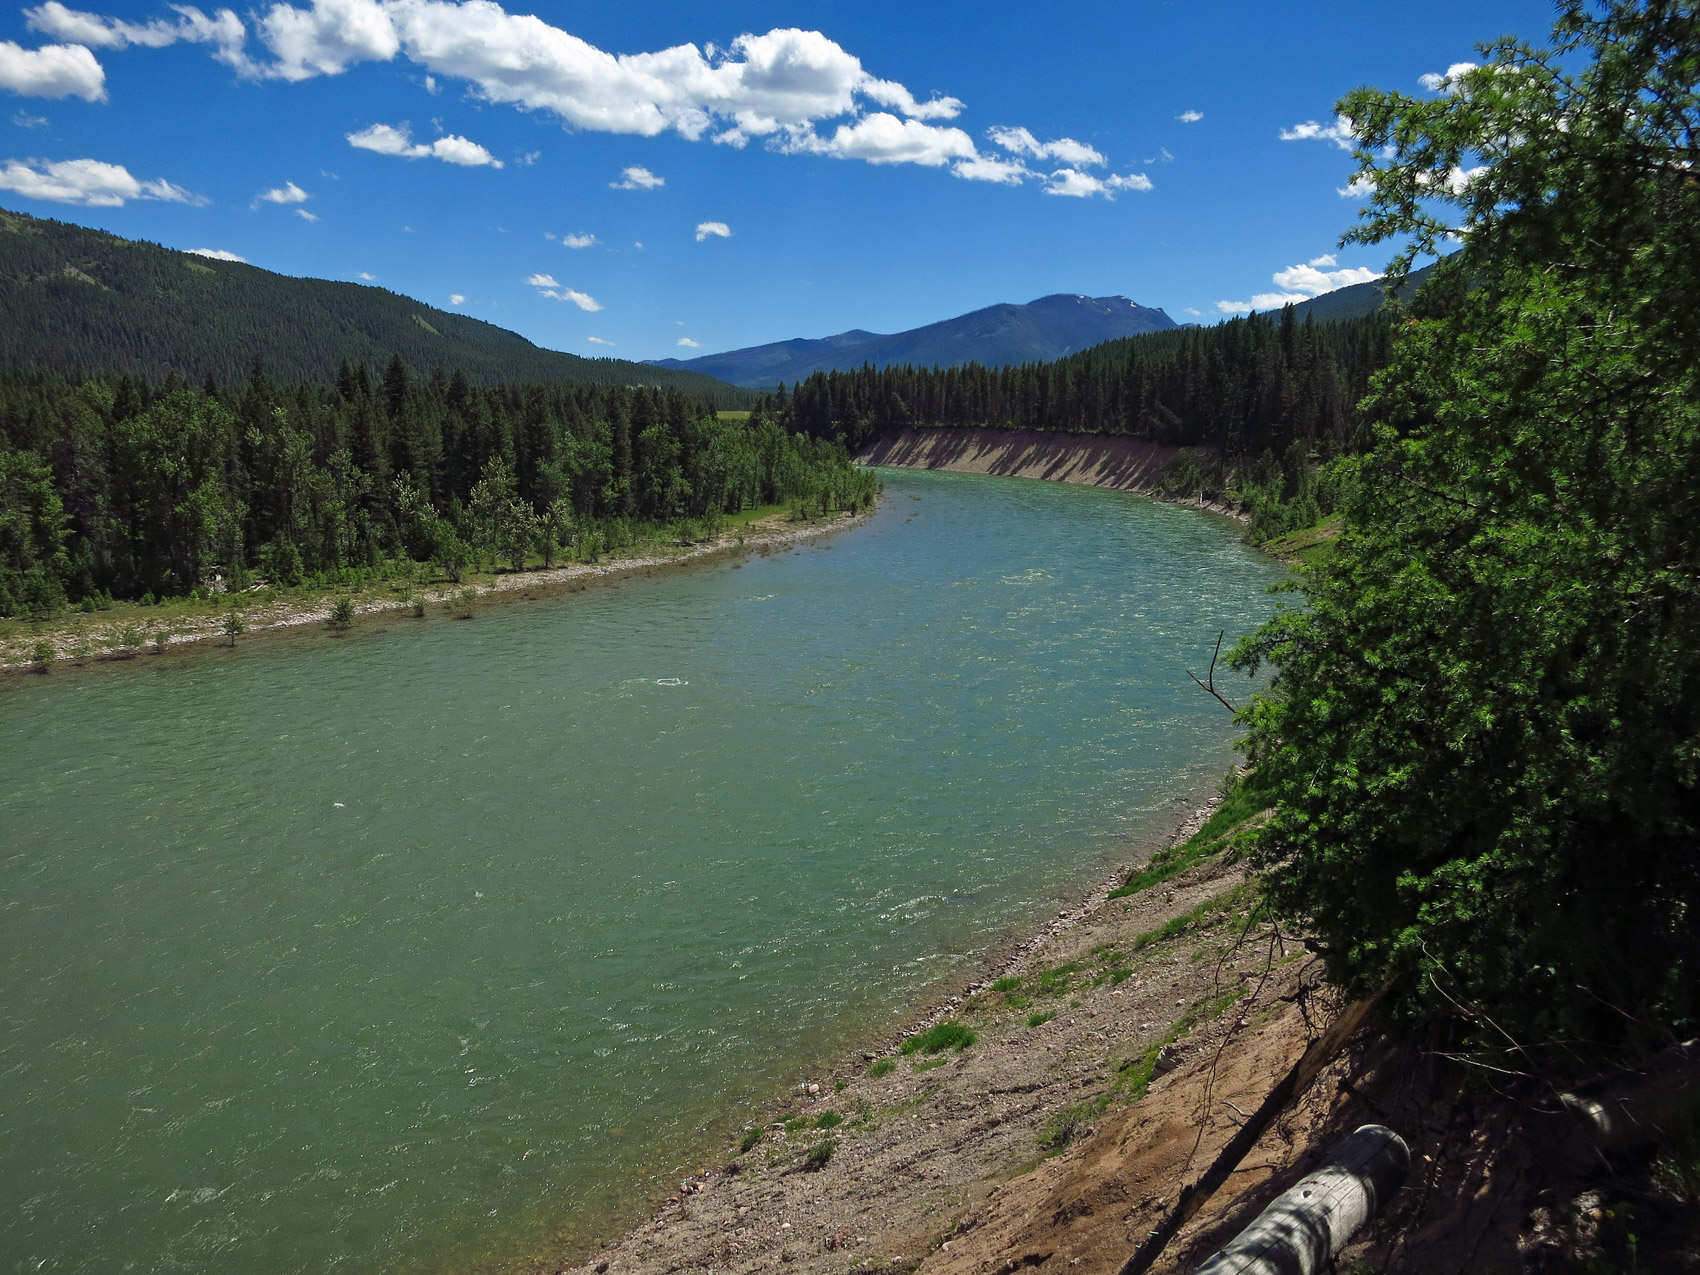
x,y
882,1067
1308,545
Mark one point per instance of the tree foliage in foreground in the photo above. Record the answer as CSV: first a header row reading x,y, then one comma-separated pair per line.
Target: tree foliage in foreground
x,y
1484,733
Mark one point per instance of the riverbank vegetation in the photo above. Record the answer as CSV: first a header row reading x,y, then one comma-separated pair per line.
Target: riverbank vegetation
x,y
1481,739
125,489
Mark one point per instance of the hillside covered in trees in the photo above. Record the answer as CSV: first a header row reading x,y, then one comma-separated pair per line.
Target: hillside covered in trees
x,y
82,303
129,488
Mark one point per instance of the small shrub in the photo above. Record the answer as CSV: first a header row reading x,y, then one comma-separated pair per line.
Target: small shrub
x,y
147,600
829,1120
128,640
752,1136
463,605
161,640
342,613
882,1067
819,1155
235,625
42,655
418,608
940,1037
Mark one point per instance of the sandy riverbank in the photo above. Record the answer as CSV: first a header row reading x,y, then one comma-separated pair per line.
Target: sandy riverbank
x,y
73,645
1088,460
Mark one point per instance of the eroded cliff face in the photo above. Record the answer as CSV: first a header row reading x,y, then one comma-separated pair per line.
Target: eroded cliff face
x,y
1091,460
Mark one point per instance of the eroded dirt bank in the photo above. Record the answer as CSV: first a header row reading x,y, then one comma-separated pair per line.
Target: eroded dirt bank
x,y
1091,460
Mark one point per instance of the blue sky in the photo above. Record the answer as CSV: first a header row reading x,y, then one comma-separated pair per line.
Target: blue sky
x,y
626,179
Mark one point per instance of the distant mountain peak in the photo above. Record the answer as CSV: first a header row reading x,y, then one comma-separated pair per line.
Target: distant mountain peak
x,y
1047,328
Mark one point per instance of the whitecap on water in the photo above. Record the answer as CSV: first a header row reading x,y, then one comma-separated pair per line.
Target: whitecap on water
x,y
671,681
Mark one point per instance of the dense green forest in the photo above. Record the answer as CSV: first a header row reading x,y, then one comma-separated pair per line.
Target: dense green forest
x,y
124,487
1258,403
83,303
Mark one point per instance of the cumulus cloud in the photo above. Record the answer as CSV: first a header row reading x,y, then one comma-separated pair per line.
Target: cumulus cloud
x,y
456,298
716,229
542,281
1079,185
636,178
796,90
1448,82
1340,132
596,340
305,215
1360,187
1301,283
1064,150
989,168
89,183
23,119
1190,117
368,277
686,341
386,139
288,193
579,241
217,254
54,70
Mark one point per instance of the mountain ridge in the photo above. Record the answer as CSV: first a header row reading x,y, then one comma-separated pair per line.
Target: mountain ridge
x,y
1048,328
81,302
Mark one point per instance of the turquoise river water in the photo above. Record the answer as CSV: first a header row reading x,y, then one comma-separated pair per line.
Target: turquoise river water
x,y
436,947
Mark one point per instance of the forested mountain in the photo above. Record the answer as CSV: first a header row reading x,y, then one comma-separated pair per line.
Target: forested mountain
x,y
81,302
1241,388
1358,299
131,488
997,336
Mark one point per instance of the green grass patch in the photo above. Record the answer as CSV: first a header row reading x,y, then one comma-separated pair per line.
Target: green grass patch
x,y
733,416
1196,917
1056,980
751,1137
1135,1077
819,1155
940,1037
882,1067
1041,1017
931,1063
1309,545
1063,1127
1220,832
1006,984
829,1120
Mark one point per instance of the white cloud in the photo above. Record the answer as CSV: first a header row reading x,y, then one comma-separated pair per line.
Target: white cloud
x,y
989,168
1447,83
798,90
54,70
305,215
89,183
1190,117
455,298
223,29
542,281
288,193
718,229
636,178
579,241
1360,187
386,139
217,254
596,340
882,138
1301,283
369,278
1340,132
529,158
686,341
1065,150
1079,185
582,300
23,119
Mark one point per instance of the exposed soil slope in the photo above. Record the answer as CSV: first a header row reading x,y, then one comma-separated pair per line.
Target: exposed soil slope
x,y
1091,460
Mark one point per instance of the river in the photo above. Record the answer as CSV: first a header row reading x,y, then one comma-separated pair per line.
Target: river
x,y
438,947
